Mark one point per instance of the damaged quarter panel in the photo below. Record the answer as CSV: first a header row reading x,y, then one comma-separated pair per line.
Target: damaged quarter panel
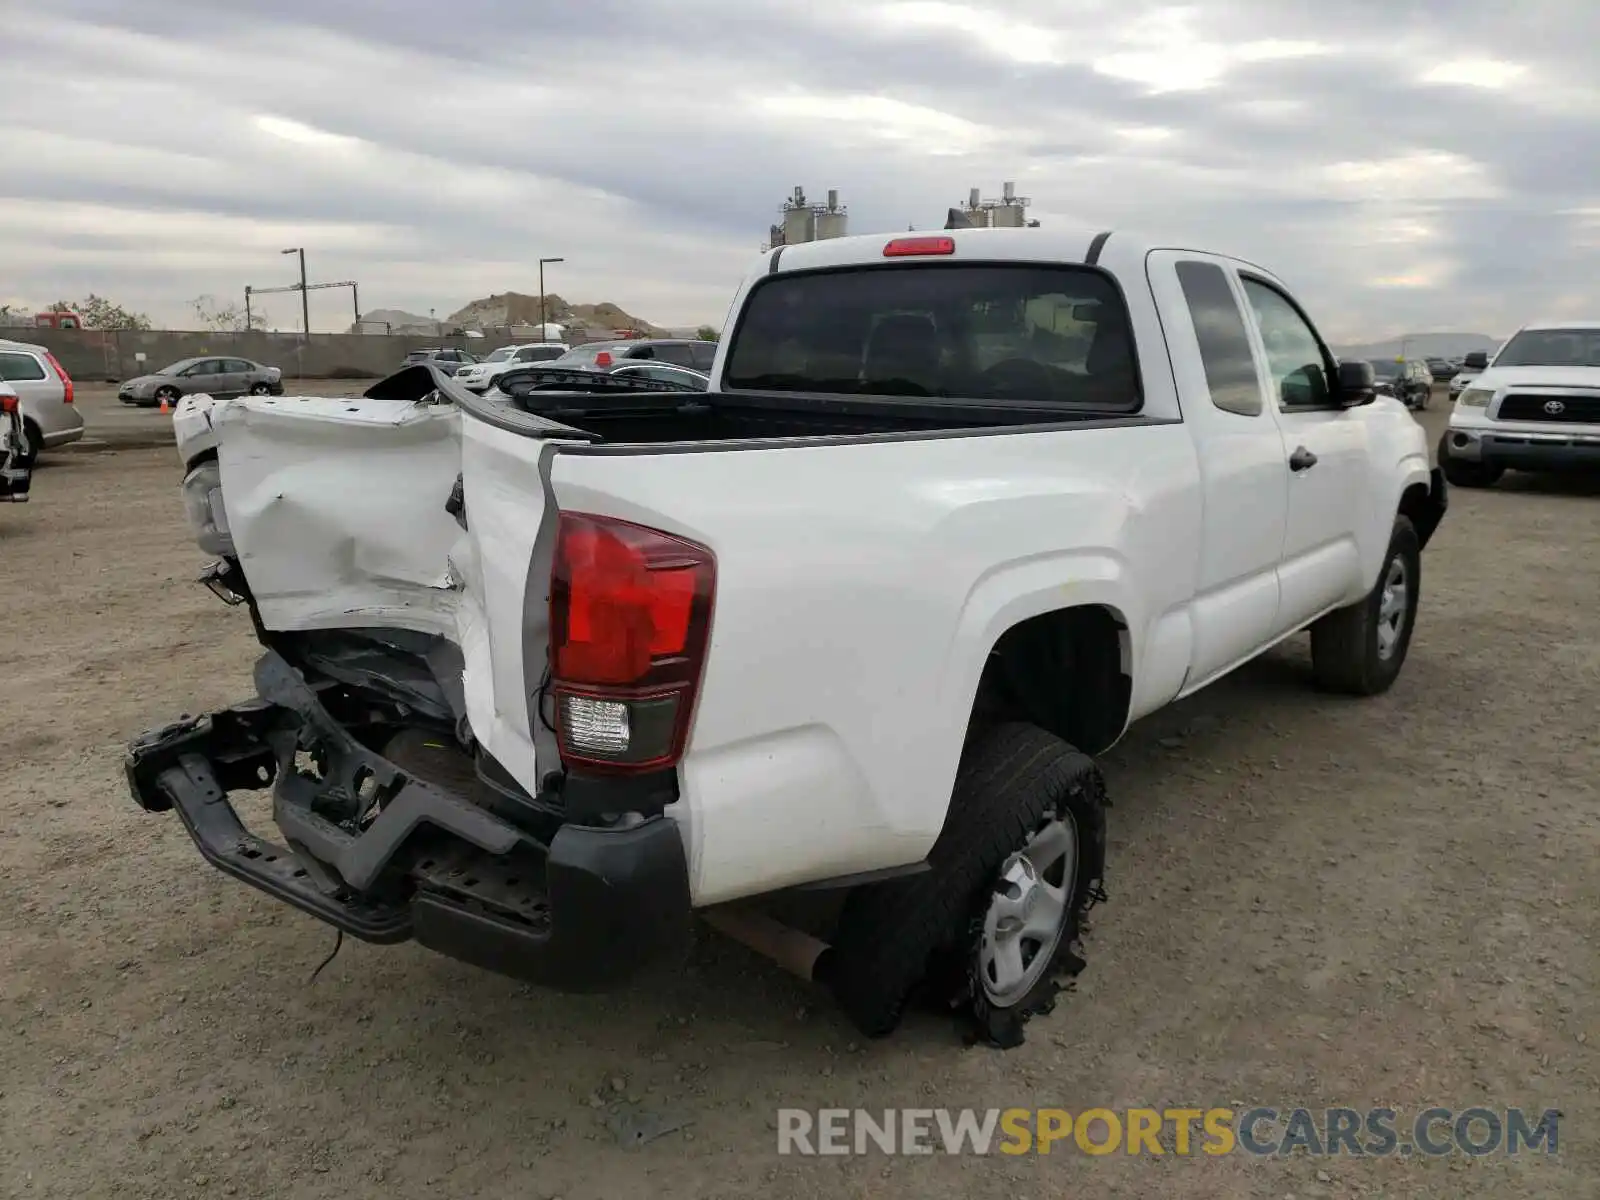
x,y
337,510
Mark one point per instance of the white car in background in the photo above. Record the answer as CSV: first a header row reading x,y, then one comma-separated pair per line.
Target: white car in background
x,y
480,376
1471,367
44,390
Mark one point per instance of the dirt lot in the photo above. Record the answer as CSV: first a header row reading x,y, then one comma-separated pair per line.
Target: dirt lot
x,y
1313,902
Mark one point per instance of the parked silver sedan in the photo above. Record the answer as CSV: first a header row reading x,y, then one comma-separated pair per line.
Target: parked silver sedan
x,y
207,376
44,393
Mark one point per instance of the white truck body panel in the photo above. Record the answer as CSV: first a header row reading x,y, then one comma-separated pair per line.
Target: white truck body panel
x,y
860,585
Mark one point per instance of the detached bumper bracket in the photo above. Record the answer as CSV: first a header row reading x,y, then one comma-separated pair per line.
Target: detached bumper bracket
x,y
171,769
583,914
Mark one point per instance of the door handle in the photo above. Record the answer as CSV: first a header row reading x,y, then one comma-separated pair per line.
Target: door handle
x,y
1302,459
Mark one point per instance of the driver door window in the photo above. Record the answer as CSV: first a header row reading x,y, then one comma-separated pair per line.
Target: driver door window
x,y
1296,361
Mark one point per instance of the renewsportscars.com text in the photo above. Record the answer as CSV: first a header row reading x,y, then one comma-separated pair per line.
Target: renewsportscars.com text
x,y
1182,1132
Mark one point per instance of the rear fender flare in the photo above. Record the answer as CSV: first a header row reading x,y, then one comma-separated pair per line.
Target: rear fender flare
x,y
1015,592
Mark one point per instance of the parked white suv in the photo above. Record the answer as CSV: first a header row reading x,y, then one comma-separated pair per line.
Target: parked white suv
x,y
480,376
954,511
1536,407
49,417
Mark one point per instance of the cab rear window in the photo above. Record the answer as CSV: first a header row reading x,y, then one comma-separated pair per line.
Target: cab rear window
x,y
994,332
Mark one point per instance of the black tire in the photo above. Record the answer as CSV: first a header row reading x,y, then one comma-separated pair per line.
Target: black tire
x,y
1347,652
921,932
1459,472
35,440
170,394
259,389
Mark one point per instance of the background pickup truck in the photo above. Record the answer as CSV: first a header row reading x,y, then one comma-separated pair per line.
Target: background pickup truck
x,y
547,673
1535,408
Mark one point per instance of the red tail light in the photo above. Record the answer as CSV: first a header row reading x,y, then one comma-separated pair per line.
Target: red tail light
x,y
66,380
906,247
8,404
603,359
630,615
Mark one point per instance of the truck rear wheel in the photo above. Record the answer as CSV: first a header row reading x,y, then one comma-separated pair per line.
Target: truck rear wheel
x,y
995,921
1359,650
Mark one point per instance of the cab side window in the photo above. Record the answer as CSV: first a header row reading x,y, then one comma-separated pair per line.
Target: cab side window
x,y
1224,343
1295,356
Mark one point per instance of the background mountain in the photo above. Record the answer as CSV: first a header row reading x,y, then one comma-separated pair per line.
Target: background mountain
x,y
510,308
1423,345
516,308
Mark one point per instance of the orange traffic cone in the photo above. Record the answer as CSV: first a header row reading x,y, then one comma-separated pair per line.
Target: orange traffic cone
x,y
165,407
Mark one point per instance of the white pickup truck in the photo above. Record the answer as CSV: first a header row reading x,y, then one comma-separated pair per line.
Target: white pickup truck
x,y
548,673
1536,407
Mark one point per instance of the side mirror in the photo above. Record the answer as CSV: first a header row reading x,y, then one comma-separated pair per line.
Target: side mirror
x,y
1478,360
1357,383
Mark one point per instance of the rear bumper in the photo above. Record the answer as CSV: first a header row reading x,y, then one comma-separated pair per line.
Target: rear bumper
x,y
1526,451
582,913
62,437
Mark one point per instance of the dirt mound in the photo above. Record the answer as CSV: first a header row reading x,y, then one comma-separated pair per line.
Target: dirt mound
x,y
518,308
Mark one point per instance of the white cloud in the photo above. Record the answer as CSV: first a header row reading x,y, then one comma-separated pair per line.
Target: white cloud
x,y
1475,72
925,130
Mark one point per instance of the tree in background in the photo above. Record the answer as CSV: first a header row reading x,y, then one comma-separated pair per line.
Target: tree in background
x,y
706,333
224,318
99,313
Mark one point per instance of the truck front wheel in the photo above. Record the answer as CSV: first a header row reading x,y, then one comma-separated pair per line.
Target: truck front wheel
x,y
995,921
1360,649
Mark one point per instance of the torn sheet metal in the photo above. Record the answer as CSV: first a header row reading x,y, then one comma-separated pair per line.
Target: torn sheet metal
x,y
336,506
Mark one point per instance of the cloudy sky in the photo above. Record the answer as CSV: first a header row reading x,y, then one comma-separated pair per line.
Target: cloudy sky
x,y
1408,165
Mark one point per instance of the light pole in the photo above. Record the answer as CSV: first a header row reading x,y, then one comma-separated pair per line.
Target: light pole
x,y
542,334
305,296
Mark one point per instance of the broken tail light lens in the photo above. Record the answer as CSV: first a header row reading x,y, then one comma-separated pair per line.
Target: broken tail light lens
x,y
202,500
630,617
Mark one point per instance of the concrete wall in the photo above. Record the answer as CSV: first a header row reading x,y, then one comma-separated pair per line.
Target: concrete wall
x,y
91,355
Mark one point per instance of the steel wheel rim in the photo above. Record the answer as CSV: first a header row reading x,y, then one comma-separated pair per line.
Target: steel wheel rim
x,y
1393,604
1028,913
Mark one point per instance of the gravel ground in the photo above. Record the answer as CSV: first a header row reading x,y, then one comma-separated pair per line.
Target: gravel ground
x,y
1313,902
